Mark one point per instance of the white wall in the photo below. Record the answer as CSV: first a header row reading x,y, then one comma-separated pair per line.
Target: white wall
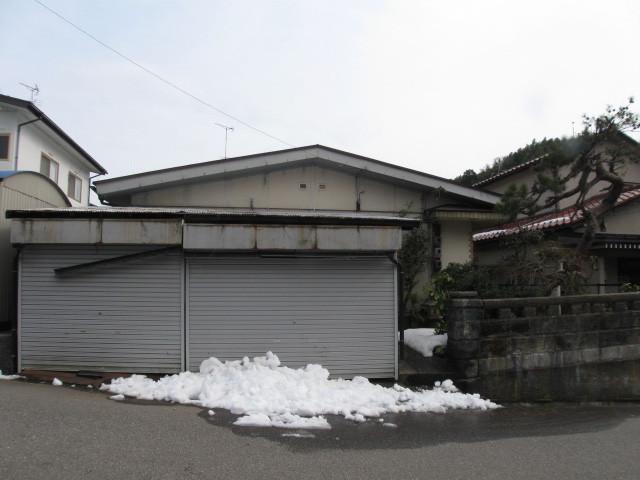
x,y
455,242
34,141
281,189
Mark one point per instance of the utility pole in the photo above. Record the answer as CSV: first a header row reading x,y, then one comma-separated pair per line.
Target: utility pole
x,y
226,136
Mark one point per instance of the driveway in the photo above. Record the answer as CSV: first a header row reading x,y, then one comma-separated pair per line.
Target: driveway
x,y
65,433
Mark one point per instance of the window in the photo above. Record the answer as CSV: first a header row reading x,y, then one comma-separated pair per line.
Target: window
x,y
4,146
75,187
303,186
49,168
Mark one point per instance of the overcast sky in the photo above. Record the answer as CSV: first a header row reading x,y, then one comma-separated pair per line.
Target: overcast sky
x,y
432,85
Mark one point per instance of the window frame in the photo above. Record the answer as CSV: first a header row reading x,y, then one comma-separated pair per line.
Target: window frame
x,y
8,157
77,181
44,156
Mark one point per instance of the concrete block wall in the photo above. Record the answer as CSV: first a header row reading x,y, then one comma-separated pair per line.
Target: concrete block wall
x,y
519,349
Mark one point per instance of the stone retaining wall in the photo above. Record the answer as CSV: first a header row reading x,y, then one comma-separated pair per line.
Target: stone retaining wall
x,y
584,347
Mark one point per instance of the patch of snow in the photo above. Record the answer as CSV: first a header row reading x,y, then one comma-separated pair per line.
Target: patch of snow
x,y
390,425
9,377
118,397
286,420
265,393
424,340
89,386
211,413
56,382
299,435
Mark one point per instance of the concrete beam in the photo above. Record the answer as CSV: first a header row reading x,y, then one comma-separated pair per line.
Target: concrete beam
x,y
291,237
96,231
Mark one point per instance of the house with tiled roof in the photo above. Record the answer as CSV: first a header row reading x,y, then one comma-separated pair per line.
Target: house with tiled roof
x,y
616,249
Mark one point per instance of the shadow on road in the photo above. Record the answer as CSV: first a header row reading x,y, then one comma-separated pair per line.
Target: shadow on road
x,y
415,430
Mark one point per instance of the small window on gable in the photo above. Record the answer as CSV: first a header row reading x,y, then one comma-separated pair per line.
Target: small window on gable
x,y
303,186
74,189
4,146
49,168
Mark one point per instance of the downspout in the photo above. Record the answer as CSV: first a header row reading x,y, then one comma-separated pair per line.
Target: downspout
x,y
20,125
400,303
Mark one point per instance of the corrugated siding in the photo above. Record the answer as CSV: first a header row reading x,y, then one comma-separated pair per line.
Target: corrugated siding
x,y
339,312
124,316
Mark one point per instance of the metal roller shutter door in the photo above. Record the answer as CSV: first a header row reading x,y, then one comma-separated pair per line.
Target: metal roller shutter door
x,y
123,316
339,312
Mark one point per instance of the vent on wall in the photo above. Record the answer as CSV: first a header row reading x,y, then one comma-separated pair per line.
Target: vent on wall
x,y
303,186
322,186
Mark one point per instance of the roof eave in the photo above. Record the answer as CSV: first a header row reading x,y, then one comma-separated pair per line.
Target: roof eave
x,y
34,110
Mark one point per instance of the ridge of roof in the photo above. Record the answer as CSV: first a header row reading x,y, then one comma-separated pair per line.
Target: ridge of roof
x,y
27,105
529,163
510,171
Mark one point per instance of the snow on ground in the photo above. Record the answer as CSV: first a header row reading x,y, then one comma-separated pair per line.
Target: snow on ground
x,y
286,420
265,393
424,340
299,435
56,382
9,377
118,397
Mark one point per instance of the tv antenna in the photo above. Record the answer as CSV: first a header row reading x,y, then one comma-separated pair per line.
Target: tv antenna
x,y
227,129
34,89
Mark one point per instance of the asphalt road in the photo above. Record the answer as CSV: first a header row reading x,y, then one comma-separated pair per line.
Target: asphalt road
x,y
64,433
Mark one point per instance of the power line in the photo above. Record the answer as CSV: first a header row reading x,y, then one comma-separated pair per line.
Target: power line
x,y
159,77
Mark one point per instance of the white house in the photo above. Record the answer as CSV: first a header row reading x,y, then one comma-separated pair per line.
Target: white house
x,y
31,141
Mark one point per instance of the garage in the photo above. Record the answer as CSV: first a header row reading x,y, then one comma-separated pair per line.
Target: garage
x,y
160,290
337,311
118,316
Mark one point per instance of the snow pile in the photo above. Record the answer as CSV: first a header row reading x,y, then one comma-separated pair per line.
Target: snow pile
x,y
268,394
119,397
56,382
9,377
424,340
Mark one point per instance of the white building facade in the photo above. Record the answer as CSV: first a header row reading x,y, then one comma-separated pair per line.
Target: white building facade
x,y
31,141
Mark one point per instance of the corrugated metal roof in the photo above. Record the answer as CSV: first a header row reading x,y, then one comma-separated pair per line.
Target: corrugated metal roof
x,y
158,212
546,221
